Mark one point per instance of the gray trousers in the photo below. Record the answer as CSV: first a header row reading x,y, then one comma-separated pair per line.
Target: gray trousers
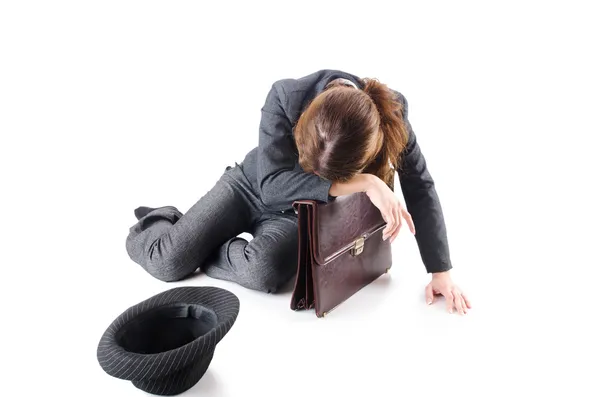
x,y
171,245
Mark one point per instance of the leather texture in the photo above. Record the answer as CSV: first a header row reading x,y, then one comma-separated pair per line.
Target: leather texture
x,y
329,269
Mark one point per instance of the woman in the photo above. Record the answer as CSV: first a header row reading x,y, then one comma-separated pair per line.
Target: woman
x,y
324,135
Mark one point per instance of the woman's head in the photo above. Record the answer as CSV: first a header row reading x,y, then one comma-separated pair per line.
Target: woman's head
x,y
346,131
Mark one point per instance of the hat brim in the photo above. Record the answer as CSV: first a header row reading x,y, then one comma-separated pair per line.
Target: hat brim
x,y
168,340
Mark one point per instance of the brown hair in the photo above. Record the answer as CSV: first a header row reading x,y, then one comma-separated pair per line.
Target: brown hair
x,y
346,131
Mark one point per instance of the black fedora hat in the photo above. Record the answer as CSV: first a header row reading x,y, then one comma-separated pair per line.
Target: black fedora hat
x,y
164,344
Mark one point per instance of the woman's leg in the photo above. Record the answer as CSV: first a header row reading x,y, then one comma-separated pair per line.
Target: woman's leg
x,y
170,245
265,263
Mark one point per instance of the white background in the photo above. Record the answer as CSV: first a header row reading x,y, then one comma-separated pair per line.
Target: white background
x,y
108,105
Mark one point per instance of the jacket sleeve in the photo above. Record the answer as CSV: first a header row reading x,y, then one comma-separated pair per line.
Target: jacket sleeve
x,y
423,203
281,180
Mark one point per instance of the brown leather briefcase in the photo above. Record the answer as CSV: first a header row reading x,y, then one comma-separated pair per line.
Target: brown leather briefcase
x,y
340,251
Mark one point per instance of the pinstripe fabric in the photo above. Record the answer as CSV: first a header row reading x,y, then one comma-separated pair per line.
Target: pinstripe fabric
x,y
171,245
174,371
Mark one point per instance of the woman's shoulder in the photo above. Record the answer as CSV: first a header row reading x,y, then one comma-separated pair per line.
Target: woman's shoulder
x,y
294,93
314,81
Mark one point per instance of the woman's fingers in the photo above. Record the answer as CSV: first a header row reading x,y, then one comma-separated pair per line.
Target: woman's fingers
x,y
449,299
398,212
391,224
467,301
464,303
398,225
389,221
408,217
458,302
429,294
394,226
387,226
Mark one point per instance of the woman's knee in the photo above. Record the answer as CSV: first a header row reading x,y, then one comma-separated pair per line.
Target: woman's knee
x,y
269,274
168,267
164,272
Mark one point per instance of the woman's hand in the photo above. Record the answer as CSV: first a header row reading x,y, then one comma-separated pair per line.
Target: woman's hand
x,y
391,209
382,197
442,284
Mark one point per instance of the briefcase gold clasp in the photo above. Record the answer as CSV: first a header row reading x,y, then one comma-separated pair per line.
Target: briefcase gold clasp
x,y
359,246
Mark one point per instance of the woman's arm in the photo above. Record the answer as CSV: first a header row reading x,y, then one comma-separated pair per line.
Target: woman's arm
x,y
423,203
382,197
281,180
360,183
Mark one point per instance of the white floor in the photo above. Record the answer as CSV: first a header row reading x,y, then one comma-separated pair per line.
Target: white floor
x,y
107,106
519,337
533,328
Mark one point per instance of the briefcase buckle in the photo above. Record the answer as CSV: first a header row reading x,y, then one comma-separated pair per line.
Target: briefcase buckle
x,y
359,246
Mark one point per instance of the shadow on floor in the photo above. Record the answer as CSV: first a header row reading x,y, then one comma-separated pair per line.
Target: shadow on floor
x,y
207,386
